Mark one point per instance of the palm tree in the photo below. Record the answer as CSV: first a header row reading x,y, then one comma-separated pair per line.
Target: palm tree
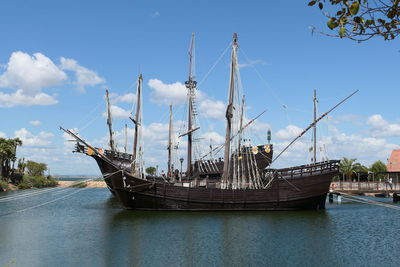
x,y
8,152
348,167
15,143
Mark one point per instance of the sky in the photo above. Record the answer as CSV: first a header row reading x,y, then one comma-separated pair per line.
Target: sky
x,y
58,57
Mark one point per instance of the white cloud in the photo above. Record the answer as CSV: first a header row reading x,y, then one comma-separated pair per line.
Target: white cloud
x,y
336,145
84,77
381,127
216,138
29,75
127,98
212,109
377,121
155,14
35,122
257,127
364,148
290,132
167,94
59,158
19,98
118,113
43,139
2,135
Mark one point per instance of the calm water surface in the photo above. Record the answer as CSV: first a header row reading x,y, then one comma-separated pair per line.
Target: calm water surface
x,y
90,228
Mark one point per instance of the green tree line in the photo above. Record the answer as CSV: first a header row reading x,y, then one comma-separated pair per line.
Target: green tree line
x,y
350,169
26,174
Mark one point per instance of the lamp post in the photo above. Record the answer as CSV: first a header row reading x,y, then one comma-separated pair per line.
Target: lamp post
x,y
181,160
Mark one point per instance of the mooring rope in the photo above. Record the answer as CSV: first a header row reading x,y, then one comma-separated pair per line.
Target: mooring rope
x,y
18,197
367,201
7,198
43,191
42,204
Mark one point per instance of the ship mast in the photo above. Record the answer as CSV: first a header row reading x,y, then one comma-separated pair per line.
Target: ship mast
x,y
315,100
138,122
109,122
229,113
170,143
191,86
241,125
126,138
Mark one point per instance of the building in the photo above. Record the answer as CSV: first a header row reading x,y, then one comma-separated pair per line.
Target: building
x,y
393,165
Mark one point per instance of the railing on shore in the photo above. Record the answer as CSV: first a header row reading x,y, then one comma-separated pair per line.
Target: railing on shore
x,y
366,186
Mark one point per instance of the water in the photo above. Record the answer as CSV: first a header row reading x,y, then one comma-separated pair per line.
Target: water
x,y
90,228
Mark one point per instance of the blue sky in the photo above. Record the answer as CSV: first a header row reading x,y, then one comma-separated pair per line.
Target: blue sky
x,y
57,58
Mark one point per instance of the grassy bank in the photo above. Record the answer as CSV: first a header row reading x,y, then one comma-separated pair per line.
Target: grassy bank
x,y
29,182
37,182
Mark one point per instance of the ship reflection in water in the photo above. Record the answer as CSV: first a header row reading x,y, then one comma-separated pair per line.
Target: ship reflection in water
x,y
90,229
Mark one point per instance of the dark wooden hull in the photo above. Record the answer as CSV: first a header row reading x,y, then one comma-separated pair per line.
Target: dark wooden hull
x,y
119,161
106,169
306,191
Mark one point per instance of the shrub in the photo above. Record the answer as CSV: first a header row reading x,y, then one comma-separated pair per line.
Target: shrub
x,y
37,182
24,185
51,182
16,178
3,185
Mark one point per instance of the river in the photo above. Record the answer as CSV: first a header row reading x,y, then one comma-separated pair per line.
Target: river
x,y
88,227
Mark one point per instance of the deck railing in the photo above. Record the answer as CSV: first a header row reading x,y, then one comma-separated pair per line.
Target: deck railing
x,y
299,171
108,153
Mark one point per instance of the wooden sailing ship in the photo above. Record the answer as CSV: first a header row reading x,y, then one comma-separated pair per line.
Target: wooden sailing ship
x,y
242,180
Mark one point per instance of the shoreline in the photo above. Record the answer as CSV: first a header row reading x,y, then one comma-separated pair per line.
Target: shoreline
x,y
89,184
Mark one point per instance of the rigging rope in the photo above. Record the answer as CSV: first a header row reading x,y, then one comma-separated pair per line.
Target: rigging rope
x,y
215,64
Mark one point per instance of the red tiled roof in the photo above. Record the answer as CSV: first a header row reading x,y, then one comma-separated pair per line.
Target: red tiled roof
x,y
394,161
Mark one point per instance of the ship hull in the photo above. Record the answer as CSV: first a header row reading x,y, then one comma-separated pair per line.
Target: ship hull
x,y
307,191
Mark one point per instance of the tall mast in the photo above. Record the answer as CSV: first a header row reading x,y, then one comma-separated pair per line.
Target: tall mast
x,y
191,86
126,138
137,121
109,122
241,125
229,112
315,127
170,142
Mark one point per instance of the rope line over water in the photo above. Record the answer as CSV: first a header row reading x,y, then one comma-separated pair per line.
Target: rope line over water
x,y
21,196
42,204
371,202
56,190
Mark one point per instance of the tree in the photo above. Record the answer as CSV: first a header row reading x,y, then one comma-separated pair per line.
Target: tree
x,y
8,154
378,168
348,167
21,165
151,171
361,20
35,168
362,171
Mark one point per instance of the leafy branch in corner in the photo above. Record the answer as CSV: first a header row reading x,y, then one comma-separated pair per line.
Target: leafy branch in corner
x,y
360,20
